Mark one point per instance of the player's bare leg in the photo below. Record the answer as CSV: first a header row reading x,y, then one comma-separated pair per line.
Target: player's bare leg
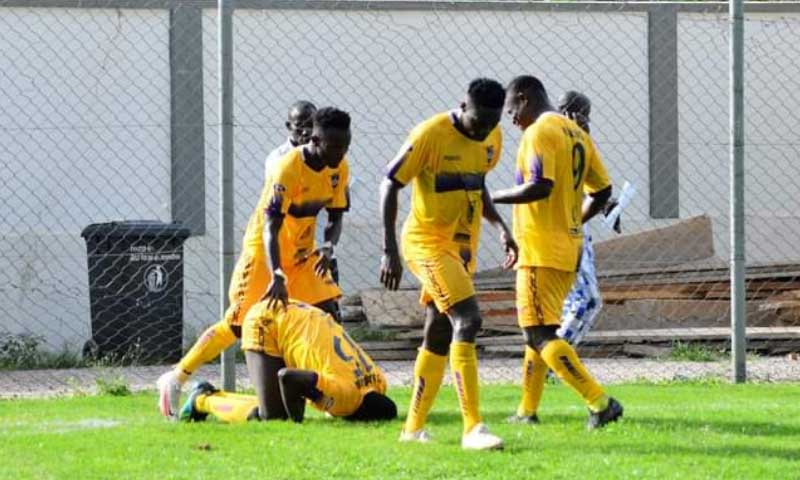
x,y
295,387
264,377
429,370
466,319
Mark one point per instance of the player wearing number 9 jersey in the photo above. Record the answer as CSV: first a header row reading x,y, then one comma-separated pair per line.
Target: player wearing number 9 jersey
x,y
296,354
557,163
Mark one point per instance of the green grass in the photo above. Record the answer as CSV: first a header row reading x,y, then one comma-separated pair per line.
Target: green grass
x,y
692,430
695,352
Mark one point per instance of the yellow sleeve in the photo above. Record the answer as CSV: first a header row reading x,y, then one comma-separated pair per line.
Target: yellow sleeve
x,y
412,158
282,188
540,147
597,177
341,192
496,148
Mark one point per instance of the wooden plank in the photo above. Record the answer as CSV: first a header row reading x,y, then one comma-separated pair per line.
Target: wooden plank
x,y
685,241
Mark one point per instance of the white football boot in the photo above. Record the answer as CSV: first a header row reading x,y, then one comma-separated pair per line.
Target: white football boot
x,y
480,438
420,436
169,394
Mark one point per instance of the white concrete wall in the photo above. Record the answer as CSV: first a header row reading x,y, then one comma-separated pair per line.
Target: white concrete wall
x,y
772,170
84,137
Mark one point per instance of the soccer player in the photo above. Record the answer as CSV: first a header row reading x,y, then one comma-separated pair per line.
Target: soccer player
x,y
446,159
557,163
583,302
278,256
299,122
298,354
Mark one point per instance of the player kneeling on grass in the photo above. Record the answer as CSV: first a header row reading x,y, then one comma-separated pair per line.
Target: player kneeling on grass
x,y
298,354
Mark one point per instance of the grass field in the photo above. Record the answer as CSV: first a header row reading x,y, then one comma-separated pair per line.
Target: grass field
x,y
683,430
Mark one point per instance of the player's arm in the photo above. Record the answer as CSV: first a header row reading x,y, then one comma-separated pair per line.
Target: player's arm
x,y
406,165
535,169
283,185
595,203
597,185
526,193
391,266
333,229
491,215
277,291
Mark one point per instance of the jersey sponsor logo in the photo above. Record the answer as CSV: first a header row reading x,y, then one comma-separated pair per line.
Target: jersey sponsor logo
x,y
452,181
489,154
452,158
278,189
334,180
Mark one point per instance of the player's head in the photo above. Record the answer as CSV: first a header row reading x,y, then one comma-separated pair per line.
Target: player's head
x,y
483,107
374,406
298,121
330,136
576,106
526,100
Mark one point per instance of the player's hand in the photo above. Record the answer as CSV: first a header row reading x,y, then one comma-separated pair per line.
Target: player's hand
x,y
324,263
607,211
510,247
391,269
276,294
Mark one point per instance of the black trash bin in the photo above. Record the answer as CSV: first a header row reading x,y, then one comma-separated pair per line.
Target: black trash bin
x,y
135,291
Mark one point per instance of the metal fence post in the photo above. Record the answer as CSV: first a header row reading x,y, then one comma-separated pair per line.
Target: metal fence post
x,y
226,211
737,192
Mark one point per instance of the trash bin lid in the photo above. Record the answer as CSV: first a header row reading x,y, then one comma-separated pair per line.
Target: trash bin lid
x,y
137,228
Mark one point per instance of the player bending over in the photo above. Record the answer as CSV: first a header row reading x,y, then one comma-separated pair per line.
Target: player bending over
x,y
278,256
557,164
294,355
446,159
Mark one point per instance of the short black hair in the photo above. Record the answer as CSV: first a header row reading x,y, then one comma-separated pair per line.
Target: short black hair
x,y
486,92
302,106
374,406
331,117
530,85
574,102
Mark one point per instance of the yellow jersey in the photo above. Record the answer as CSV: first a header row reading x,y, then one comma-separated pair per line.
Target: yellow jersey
x,y
448,172
549,232
298,192
307,338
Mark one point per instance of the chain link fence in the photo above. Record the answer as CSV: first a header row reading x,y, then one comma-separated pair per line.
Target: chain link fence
x,y
109,113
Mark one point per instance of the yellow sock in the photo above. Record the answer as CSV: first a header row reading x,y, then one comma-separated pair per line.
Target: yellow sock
x,y
428,374
211,343
562,359
227,407
464,366
534,372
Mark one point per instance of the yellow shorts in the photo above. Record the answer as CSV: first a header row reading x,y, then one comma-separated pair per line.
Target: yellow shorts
x,y
340,397
304,285
251,278
540,295
259,335
444,279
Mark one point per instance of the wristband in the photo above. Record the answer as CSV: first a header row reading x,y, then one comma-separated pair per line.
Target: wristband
x,y
279,273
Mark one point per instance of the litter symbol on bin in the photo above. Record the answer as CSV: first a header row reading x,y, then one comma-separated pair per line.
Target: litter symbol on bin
x,y
155,278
